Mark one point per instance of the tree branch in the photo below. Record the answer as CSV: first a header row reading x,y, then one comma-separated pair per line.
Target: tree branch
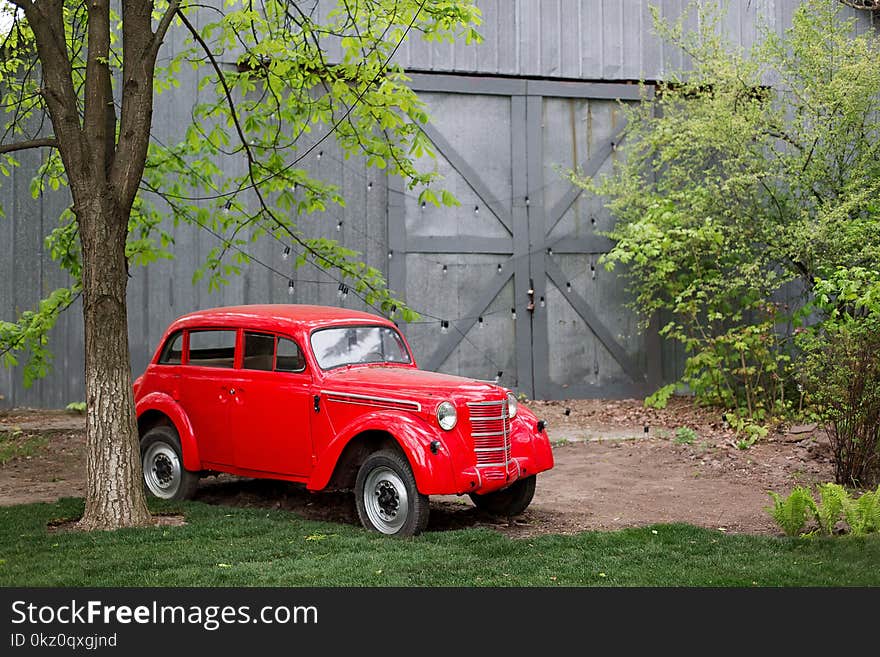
x,y
47,142
163,26
46,19
140,47
99,120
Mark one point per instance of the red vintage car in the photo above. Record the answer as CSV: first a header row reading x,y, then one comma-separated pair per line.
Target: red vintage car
x,y
331,398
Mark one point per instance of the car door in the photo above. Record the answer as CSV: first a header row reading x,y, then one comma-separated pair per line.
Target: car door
x,y
272,407
208,385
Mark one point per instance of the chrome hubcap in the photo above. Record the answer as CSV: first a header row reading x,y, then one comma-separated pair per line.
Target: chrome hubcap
x,y
162,470
385,500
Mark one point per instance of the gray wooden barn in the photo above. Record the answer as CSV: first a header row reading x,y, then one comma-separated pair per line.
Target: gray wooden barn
x,y
539,96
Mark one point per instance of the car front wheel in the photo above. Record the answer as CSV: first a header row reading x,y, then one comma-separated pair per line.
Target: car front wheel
x,y
387,498
510,501
162,461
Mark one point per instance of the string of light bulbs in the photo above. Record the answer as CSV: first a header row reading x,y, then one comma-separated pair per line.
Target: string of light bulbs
x,y
343,290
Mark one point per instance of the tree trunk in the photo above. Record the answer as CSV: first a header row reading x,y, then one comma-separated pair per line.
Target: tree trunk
x,y
114,490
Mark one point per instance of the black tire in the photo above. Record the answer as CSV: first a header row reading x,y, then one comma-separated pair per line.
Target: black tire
x,y
510,501
386,496
162,463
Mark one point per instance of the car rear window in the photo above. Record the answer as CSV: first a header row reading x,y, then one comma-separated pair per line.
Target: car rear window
x,y
212,348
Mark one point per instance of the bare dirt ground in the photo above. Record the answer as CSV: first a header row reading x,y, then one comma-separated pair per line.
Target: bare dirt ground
x,y
618,465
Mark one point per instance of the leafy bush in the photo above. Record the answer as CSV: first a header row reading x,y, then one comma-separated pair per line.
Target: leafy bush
x,y
833,501
841,371
661,397
685,436
790,513
731,200
748,432
863,515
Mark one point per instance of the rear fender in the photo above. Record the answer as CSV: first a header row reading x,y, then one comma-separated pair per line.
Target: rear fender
x,y
165,404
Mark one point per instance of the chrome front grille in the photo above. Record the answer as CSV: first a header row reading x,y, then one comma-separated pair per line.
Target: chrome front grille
x,y
490,430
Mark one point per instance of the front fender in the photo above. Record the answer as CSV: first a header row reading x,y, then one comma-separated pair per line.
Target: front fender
x,y
434,473
165,404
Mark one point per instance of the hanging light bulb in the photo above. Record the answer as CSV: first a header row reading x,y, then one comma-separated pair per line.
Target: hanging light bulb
x,y
445,269
549,250
500,267
513,313
568,286
480,322
285,254
339,227
339,290
498,376
593,270
344,292
476,209
444,326
369,186
291,288
227,208
423,205
542,302
320,154
390,254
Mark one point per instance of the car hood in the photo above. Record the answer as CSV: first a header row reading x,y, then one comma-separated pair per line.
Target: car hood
x,y
409,383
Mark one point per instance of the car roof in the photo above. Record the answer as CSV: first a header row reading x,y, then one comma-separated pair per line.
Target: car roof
x,y
269,316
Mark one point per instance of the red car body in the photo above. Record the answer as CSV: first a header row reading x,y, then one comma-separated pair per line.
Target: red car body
x,y
318,425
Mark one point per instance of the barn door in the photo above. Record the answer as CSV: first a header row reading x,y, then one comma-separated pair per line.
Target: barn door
x,y
508,282
586,341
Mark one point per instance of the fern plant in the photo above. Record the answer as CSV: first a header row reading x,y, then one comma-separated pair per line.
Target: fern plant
x,y
833,499
863,515
790,513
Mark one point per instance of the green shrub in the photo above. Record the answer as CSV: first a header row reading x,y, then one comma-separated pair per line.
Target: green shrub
x,y
863,515
791,513
841,371
833,501
661,397
730,194
748,432
76,407
685,436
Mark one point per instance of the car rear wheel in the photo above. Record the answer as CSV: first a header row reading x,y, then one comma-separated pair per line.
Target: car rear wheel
x,y
510,501
162,461
387,498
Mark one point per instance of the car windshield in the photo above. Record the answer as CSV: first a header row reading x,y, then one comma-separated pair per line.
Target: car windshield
x,y
350,345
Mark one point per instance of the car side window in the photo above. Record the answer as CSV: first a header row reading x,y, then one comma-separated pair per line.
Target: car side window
x,y
259,352
172,352
289,357
212,348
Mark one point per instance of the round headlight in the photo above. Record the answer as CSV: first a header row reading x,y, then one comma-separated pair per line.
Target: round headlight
x,y
446,416
511,404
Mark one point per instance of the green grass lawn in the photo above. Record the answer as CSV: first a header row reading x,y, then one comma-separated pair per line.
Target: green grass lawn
x,y
224,546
